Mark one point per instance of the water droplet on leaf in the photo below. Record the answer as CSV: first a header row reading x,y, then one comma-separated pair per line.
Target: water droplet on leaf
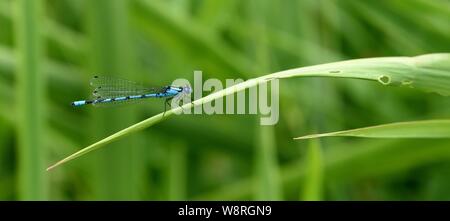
x,y
385,80
407,83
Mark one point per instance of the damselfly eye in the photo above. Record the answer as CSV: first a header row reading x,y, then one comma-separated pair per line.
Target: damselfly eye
x,y
187,89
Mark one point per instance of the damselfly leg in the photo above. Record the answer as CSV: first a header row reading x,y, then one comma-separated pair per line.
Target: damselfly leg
x,y
166,103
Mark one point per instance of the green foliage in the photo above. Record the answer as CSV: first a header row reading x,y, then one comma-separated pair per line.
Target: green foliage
x,y
401,43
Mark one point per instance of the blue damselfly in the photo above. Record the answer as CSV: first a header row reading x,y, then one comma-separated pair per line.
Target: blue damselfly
x,y
111,90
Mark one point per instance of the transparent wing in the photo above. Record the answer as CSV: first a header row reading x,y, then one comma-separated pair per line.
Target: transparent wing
x,y
111,87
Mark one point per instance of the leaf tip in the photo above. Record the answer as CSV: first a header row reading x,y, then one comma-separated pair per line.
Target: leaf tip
x,y
312,136
53,166
307,137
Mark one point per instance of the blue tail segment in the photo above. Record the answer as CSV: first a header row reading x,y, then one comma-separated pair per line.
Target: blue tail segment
x,y
78,103
170,93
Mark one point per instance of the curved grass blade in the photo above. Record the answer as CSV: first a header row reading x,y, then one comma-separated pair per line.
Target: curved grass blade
x,y
412,129
430,72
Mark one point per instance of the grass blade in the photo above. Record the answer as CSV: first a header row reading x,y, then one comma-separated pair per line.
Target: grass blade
x,y
413,129
30,91
429,72
312,189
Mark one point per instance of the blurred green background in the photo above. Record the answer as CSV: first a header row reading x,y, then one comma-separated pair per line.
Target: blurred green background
x,y
49,49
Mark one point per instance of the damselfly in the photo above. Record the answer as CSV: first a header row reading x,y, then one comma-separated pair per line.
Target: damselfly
x,y
110,90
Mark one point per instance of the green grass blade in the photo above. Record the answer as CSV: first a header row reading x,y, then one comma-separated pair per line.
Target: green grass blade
x,y
413,129
30,93
313,185
429,72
